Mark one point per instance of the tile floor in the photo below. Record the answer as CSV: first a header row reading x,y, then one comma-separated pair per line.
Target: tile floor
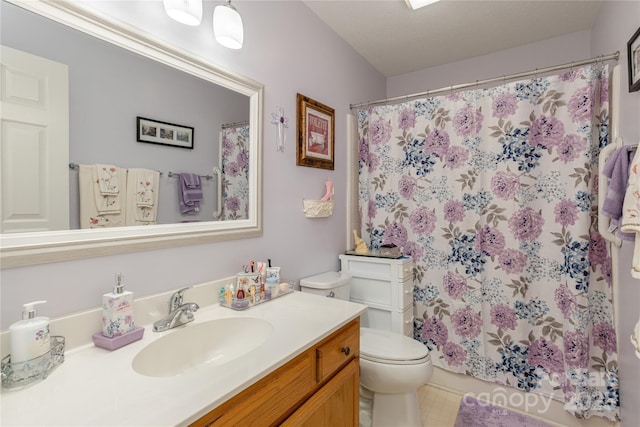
x,y
438,408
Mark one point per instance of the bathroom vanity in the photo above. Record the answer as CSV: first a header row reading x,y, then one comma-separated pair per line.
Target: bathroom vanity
x,y
317,388
385,285
304,373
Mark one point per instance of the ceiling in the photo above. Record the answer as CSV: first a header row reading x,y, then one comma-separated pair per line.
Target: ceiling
x,y
397,40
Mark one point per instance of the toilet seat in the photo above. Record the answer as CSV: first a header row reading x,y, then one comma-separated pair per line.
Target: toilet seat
x,y
391,348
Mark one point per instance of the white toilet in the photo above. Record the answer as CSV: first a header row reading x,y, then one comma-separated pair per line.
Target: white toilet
x,y
392,366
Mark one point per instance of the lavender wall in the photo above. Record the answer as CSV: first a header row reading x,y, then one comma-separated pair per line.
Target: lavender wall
x,y
289,50
615,24
547,53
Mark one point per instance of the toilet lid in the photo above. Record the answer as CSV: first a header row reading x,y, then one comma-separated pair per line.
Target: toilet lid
x,y
389,347
328,280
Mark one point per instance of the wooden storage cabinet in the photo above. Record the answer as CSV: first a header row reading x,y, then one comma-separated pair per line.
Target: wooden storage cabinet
x,y
332,405
385,285
318,387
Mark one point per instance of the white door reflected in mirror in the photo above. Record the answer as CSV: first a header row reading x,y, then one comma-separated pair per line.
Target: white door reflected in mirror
x,y
35,149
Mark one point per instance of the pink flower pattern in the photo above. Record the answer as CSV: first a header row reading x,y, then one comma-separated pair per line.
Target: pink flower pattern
x,y
504,105
423,221
466,323
235,171
491,192
454,285
505,185
547,132
454,211
512,261
526,224
467,121
503,317
566,213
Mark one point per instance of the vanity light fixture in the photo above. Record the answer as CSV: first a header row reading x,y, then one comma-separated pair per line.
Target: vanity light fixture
x,y
417,4
227,26
188,12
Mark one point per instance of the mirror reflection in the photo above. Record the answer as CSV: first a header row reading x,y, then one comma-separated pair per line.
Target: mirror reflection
x,y
75,155
104,131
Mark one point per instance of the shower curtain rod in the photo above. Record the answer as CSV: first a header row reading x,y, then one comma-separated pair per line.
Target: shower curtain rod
x,y
602,58
236,124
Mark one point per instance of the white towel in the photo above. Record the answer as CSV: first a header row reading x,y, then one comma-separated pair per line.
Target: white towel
x,y
106,178
631,211
142,197
147,187
89,215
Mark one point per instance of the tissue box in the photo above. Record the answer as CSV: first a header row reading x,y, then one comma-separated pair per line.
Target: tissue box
x,y
390,251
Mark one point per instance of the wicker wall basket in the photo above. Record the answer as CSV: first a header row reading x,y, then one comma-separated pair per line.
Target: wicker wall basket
x,y
317,208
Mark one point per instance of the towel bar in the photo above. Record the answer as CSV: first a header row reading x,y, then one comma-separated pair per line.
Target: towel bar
x,y
76,166
175,175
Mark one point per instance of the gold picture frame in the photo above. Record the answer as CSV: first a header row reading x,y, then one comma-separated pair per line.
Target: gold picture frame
x,y
316,133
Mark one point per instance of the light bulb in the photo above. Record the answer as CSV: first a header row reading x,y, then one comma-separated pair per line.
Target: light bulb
x,y
188,12
227,26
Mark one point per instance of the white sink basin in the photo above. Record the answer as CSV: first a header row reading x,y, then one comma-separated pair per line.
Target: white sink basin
x,y
214,343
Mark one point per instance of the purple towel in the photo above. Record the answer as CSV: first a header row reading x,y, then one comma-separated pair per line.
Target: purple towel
x,y
189,192
616,169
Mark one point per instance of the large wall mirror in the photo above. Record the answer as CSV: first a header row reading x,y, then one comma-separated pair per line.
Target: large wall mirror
x,y
132,75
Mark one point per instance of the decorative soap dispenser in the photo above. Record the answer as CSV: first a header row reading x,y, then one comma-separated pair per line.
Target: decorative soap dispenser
x,y
117,311
29,336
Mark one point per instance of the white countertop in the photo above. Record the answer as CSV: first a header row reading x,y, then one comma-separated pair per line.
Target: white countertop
x,y
98,387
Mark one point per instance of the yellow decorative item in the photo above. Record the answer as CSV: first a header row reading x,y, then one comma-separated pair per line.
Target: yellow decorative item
x,y
361,246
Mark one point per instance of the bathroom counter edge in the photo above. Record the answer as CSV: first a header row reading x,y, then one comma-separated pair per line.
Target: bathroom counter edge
x,y
95,386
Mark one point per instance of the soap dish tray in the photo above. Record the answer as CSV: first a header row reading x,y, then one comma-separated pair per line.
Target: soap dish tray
x,y
120,341
246,303
20,374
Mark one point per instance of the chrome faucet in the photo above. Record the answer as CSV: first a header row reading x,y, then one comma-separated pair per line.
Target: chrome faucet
x,y
179,312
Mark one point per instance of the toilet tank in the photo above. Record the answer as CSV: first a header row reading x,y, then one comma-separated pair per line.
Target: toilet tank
x,y
330,284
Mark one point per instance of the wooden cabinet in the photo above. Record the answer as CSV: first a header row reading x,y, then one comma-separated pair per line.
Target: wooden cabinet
x,y
385,285
333,404
318,387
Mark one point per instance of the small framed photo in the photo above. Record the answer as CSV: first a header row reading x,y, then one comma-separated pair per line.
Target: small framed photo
x,y
163,133
316,128
633,55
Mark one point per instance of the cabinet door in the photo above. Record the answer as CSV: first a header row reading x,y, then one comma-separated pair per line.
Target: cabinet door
x,y
268,400
336,404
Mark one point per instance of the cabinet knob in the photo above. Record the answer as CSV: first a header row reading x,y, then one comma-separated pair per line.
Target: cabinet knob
x,y
345,350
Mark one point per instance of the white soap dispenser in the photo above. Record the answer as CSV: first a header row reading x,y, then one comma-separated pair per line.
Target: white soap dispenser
x,y
29,336
117,311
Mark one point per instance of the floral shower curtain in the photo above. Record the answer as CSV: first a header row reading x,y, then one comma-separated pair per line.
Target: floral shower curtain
x,y
235,172
493,194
